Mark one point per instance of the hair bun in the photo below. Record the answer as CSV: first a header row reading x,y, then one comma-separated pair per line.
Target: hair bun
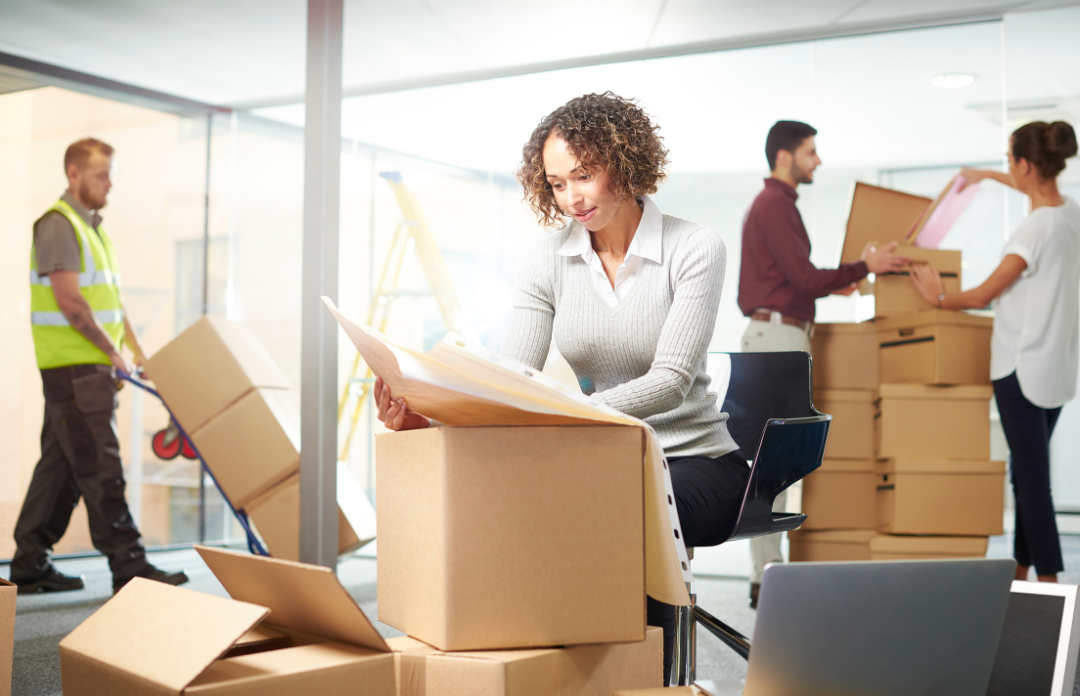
x,y
1060,139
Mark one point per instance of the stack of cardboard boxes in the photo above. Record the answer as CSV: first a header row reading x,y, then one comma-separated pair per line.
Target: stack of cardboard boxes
x,y
907,470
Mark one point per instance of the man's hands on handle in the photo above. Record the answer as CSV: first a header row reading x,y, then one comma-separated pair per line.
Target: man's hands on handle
x,y
395,413
881,259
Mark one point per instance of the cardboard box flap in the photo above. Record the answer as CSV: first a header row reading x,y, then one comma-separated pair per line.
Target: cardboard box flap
x,y
845,395
167,635
887,543
906,465
947,262
932,317
504,656
835,536
879,215
938,393
301,597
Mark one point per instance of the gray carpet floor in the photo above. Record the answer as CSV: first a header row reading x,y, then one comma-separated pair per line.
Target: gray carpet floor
x,y
43,620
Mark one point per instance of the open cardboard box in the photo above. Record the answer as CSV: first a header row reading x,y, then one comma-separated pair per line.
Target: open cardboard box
x,y
845,356
7,634
830,545
951,496
840,495
935,347
852,433
152,638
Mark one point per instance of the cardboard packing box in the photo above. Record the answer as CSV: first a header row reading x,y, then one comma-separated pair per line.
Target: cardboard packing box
x,y
8,592
845,356
882,215
830,545
152,638
512,537
952,496
896,295
253,444
698,688
852,433
276,514
886,547
840,495
934,422
582,670
935,347
209,366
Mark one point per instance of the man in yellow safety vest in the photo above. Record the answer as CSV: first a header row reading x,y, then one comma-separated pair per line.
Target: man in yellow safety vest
x,y
79,328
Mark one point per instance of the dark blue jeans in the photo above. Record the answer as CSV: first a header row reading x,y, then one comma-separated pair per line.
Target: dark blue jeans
x,y
1028,429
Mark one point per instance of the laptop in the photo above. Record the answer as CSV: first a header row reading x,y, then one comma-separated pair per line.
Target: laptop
x,y
884,628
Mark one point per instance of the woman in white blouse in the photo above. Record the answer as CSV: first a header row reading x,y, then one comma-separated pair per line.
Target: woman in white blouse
x,y
1035,347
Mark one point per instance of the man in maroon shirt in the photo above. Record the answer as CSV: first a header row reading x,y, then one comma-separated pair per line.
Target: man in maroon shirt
x,y
777,283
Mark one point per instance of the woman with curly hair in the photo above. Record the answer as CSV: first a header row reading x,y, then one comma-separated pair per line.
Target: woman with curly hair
x,y
630,296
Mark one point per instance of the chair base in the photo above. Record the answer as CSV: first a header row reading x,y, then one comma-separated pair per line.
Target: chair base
x,y
684,663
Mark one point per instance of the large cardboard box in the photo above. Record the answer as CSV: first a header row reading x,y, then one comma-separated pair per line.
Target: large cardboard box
x,y
276,514
935,347
7,634
583,670
895,294
209,366
845,356
253,444
512,537
840,494
830,545
879,215
852,433
887,547
934,422
152,638
951,496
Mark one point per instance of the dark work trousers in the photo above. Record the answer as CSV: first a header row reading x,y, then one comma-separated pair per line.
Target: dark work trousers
x,y
80,458
1028,429
708,494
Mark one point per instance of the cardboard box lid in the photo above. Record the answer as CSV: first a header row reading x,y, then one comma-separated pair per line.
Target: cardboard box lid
x,y
167,635
844,466
834,536
894,543
862,396
879,215
932,317
948,262
936,392
906,465
842,328
301,597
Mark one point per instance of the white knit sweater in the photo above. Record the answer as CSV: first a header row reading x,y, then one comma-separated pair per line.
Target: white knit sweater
x,y
644,357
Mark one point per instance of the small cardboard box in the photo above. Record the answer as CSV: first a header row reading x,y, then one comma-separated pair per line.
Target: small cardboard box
x,y
840,495
935,347
852,433
895,294
582,670
209,366
7,634
830,545
934,422
845,356
253,444
152,638
512,537
276,514
887,547
952,496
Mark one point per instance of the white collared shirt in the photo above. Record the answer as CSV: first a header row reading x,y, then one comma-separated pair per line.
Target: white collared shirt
x,y
647,244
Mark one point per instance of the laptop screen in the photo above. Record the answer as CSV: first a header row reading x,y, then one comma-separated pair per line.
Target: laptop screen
x,y
1028,649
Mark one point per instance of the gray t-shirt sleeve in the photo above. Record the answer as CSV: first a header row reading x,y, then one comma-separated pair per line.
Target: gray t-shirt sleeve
x,y
55,244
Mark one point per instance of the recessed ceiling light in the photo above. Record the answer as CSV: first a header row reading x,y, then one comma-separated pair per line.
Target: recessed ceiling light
x,y
952,80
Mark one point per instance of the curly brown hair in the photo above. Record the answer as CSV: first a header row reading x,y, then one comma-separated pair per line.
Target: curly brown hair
x,y
601,130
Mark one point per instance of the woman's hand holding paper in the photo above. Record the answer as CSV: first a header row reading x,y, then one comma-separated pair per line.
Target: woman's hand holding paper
x,y
395,413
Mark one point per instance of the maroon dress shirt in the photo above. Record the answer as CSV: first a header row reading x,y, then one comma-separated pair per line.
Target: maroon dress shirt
x,y
776,271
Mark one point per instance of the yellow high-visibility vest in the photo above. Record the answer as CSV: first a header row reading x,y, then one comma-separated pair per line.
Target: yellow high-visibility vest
x,y
56,342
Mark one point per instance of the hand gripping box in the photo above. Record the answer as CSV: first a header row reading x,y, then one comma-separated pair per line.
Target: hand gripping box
x,y
940,496
935,347
845,356
512,537
582,670
152,638
887,547
830,545
840,494
7,634
852,433
896,295
934,422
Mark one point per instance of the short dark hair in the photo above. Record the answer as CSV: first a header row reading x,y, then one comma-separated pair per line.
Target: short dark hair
x,y
1045,145
786,135
78,153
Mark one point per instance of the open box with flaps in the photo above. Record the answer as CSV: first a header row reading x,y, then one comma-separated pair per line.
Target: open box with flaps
x,y
950,496
923,421
935,347
852,433
152,638
888,547
840,495
845,356
830,545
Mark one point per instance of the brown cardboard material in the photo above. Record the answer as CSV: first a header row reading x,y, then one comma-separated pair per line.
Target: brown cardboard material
x,y
152,638
830,545
895,294
840,495
253,444
7,634
935,347
934,422
583,670
845,356
851,435
887,547
209,366
512,537
698,688
951,497
879,215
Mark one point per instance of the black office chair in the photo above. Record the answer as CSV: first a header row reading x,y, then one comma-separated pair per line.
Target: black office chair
x,y
771,416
